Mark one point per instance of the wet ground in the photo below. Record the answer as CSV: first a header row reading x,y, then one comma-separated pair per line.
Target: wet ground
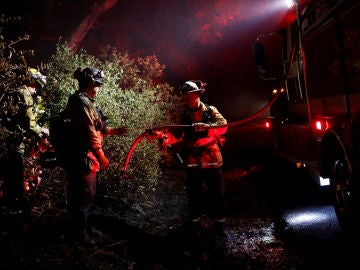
x,y
265,228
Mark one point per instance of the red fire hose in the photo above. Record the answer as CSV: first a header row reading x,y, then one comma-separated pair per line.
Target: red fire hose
x,y
232,124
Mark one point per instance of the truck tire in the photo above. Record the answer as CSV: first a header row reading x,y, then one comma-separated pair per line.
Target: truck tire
x,y
341,188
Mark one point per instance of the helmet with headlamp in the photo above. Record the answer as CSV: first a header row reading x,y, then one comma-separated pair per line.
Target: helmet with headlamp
x,y
192,86
93,75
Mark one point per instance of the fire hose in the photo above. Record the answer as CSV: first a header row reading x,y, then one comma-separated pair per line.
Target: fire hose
x,y
166,127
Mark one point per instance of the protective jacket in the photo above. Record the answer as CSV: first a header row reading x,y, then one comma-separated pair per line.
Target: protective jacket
x,y
23,120
28,121
86,131
200,148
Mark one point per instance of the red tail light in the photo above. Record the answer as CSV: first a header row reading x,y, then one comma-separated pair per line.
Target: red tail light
x,y
321,125
267,124
318,125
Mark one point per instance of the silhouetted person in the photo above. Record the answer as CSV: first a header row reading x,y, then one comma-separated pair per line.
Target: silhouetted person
x,y
84,157
20,124
200,151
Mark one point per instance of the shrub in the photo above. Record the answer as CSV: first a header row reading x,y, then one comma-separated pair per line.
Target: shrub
x,y
13,73
132,96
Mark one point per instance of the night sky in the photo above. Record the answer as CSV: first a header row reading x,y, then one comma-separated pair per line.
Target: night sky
x,y
207,40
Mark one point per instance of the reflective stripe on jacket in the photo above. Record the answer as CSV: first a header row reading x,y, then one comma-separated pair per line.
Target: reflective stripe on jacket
x,y
201,149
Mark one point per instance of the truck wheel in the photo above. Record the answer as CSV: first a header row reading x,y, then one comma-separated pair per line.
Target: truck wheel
x,y
341,185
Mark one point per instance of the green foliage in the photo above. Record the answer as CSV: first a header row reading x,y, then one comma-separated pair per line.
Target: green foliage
x,y
132,96
13,63
13,69
60,82
13,73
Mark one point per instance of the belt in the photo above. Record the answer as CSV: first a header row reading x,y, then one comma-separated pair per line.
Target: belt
x,y
202,147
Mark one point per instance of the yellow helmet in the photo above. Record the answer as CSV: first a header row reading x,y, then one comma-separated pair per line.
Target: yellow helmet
x,y
37,77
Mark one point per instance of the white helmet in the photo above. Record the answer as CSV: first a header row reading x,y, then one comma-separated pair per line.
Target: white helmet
x,y
192,86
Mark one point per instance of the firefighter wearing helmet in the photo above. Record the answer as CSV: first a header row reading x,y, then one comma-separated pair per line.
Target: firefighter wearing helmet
x,y
20,123
199,149
37,78
84,157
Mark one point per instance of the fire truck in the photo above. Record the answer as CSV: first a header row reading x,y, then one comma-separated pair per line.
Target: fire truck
x,y
316,122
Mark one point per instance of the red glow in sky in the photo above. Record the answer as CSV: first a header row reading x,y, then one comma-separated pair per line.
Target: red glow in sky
x,y
185,35
202,39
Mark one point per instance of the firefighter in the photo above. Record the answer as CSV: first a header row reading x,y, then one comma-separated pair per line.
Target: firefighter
x,y
84,157
21,124
200,150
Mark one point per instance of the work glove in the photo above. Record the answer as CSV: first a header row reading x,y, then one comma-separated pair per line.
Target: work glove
x,y
44,133
103,160
118,131
153,134
199,126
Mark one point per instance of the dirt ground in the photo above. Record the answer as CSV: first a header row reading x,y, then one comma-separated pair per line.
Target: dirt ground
x,y
37,238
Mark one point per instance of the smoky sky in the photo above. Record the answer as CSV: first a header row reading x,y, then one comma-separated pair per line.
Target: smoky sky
x,y
189,37
202,39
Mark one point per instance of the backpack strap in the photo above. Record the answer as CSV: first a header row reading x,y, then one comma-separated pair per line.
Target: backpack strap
x,y
207,115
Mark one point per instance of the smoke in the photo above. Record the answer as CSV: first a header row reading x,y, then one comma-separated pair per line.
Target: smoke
x,y
193,39
187,36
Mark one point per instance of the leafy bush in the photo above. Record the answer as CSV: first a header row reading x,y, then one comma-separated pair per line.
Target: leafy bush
x,y
13,73
132,96
12,60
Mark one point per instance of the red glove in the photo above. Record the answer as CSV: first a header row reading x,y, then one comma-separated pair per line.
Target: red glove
x,y
116,131
103,160
200,127
153,134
